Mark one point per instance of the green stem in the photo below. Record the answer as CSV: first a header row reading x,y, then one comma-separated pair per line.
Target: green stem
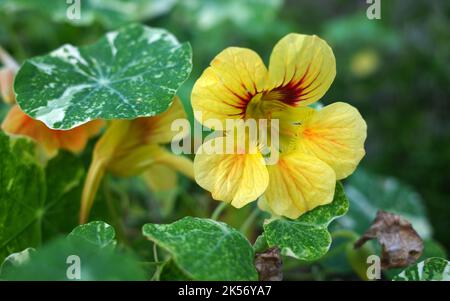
x,y
344,234
159,269
116,220
215,215
249,221
155,253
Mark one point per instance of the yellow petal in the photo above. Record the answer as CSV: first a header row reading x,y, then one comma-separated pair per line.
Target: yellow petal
x,y
301,69
290,122
335,134
299,183
180,163
131,162
233,178
160,177
157,129
162,181
225,88
104,152
123,151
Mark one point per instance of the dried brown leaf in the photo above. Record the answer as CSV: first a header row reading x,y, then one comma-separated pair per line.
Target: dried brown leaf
x,y
401,245
268,264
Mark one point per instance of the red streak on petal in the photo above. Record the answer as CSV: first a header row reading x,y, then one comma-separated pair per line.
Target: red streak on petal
x,y
294,91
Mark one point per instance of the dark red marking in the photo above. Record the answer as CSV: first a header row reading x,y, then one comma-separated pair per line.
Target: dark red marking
x,y
294,91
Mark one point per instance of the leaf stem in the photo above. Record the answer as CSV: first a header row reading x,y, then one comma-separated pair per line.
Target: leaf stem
x,y
117,222
250,220
155,252
344,234
216,213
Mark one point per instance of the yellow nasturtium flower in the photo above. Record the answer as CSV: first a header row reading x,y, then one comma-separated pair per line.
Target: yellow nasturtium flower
x,y
317,147
136,147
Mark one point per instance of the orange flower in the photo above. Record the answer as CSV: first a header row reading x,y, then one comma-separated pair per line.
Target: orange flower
x,y
74,140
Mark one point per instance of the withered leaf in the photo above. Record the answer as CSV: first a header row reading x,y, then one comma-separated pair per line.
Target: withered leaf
x,y
268,264
401,245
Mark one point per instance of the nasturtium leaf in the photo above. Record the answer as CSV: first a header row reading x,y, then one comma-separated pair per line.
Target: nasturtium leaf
x,y
98,233
435,268
342,258
64,179
129,73
14,260
22,196
54,260
205,249
36,204
432,249
260,244
369,193
307,238
171,272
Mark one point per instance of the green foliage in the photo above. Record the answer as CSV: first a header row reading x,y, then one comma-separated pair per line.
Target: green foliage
x,y
436,269
129,73
403,99
22,197
206,15
91,243
205,249
97,233
307,238
36,203
15,259
64,185
111,13
369,193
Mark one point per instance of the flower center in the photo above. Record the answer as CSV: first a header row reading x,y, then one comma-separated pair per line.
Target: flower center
x,y
263,104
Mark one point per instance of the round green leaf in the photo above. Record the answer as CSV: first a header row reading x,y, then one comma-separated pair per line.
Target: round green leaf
x,y
307,238
129,73
53,260
205,249
97,233
14,260
435,268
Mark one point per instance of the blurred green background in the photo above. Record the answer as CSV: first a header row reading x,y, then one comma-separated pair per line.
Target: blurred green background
x,y
394,70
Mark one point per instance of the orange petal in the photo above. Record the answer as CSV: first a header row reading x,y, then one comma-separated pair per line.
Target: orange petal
x,y
74,140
